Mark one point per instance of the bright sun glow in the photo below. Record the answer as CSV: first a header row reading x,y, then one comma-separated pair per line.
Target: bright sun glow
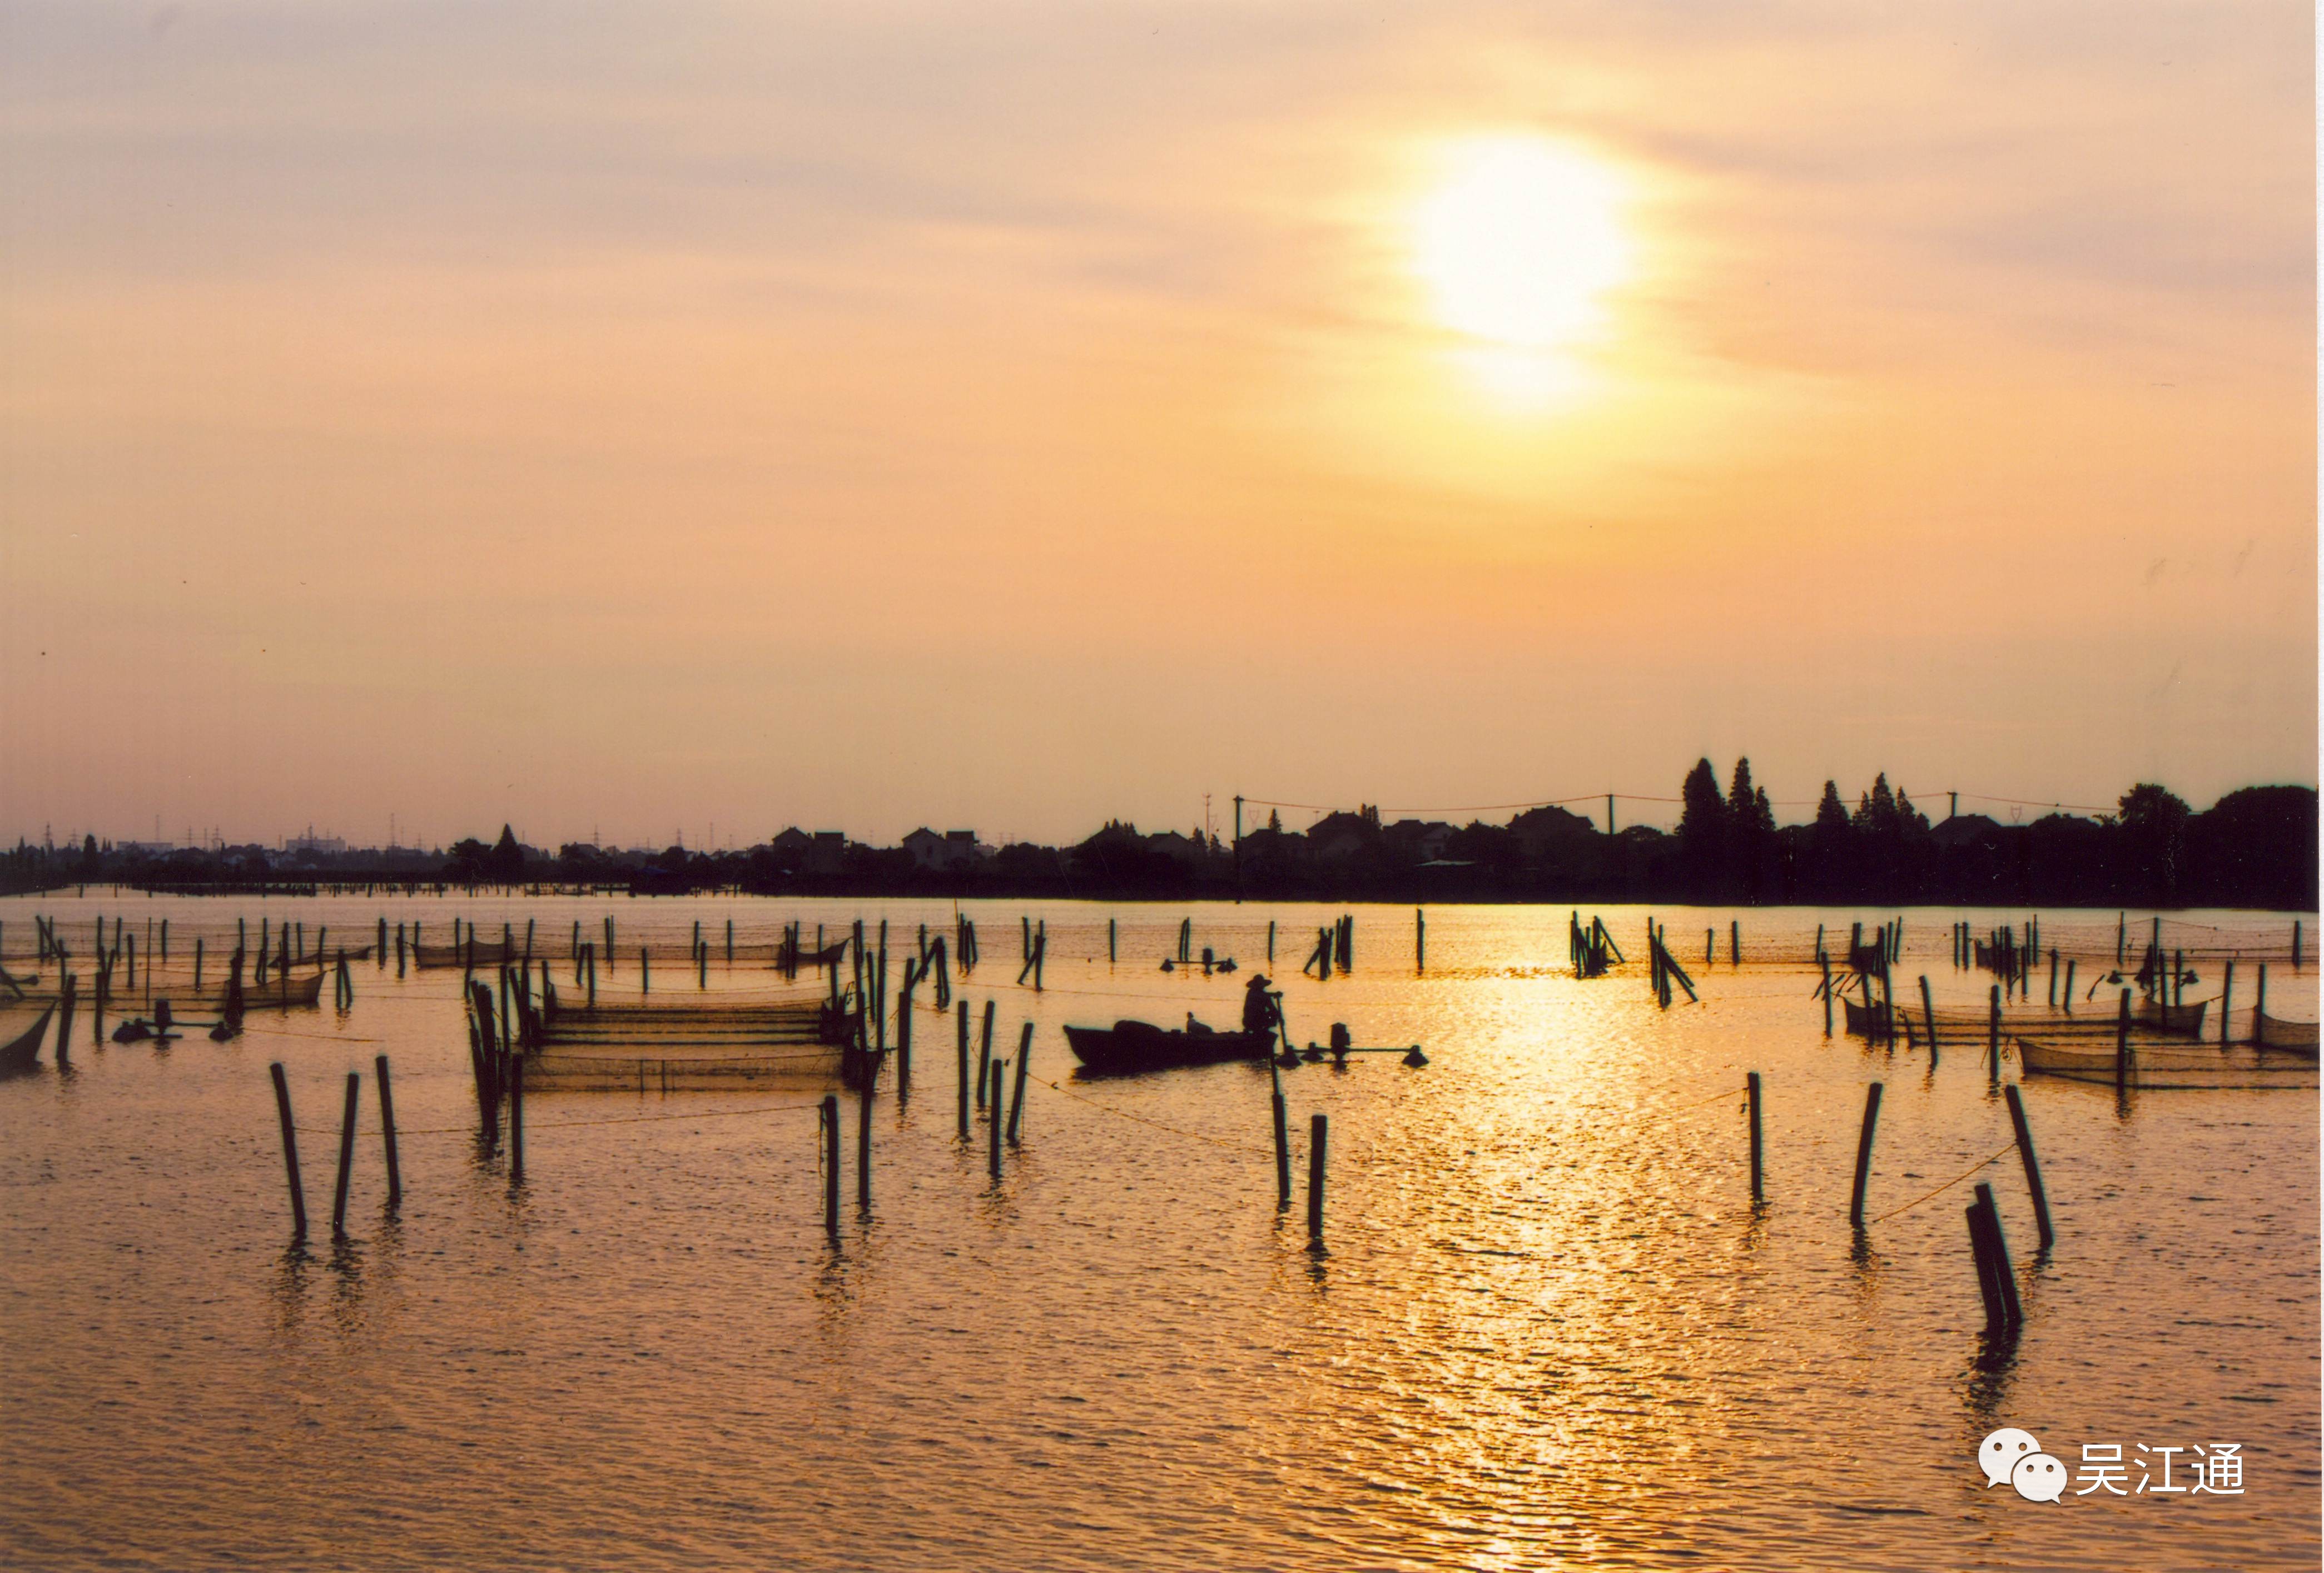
x,y
1517,244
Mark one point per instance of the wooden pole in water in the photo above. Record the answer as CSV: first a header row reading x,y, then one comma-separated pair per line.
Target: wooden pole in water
x,y
2259,1005
1108,941
516,1119
387,1132
1993,1036
993,1160
863,1145
1735,942
1825,963
1024,1063
1419,940
290,1152
963,1087
2122,1043
1864,1155
645,971
2053,978
2226,1001
346,1153
2295,944
1929,1019
2121,933
1271,942
1319,1137
2068,1001
1282,1140
2005,1279
904,1030
2033,1169
984,1053
1751,1090
1989,1275
831,1163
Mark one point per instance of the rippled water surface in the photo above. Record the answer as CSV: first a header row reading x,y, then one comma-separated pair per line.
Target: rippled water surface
x,y
1549,1329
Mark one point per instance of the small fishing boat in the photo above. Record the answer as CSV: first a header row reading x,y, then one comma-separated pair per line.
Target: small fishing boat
x,y
2174,1063
2275,1033
829,956
281,990
20,1040
477,952
1129,1046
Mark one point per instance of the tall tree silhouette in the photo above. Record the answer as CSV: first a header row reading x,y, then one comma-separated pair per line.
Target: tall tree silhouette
x,y
1702,830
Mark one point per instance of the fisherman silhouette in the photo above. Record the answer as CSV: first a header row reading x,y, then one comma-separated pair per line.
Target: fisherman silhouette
x,y
1259,1012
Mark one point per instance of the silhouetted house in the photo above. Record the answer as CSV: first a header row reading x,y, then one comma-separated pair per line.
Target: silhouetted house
x,y
1179,848
953,850
1541,831
1341,837
1416,841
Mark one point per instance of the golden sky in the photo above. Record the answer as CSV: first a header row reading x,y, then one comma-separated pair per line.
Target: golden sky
x,y
1012,415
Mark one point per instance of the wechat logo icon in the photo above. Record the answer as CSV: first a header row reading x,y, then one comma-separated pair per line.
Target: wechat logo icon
x,y
2016,1457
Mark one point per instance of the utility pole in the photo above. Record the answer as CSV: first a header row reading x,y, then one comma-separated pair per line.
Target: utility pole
x,y
1955,805
1238,848
1609,814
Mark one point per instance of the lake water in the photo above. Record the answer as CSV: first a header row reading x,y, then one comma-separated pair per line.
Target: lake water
x,y
1549,1329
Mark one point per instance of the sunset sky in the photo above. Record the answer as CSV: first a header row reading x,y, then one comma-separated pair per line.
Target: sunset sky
x,y
625,418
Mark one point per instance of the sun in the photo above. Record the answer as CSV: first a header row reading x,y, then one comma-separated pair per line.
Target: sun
x,y
1517,244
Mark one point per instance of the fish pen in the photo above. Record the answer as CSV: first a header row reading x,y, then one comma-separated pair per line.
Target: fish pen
x,y
798,1040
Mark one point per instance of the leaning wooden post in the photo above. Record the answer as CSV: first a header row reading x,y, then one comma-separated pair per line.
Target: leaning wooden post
x,y
1864,1155
290,1152
992,1161
2033,1169
1825,963
2006,1278
2226,1001
2122,1043
985,1055
2068,1001
387,1132
1024,1063
346,1153
831,1163
1988,1274
962,1079
1929,1017
1319,1135
1993,1036
1751,1091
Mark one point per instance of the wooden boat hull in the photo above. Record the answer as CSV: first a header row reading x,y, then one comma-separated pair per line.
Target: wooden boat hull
x,y
2298,1037
1128,1047
281,991
2174,1064
20,1050
485,953
1862,1020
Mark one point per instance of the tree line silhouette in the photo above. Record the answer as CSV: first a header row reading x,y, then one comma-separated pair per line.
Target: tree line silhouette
x,y
2254,848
